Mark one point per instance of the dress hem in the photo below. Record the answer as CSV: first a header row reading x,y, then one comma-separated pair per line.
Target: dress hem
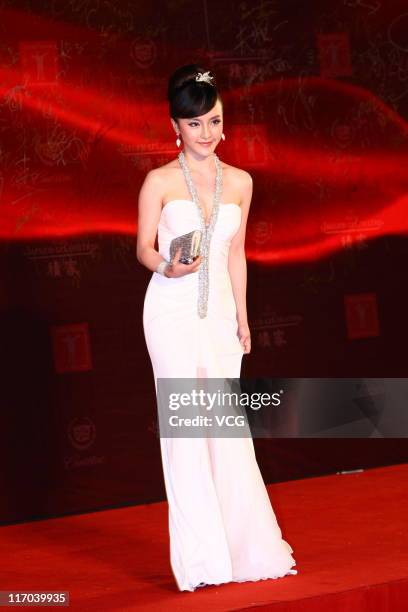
x,y
200,584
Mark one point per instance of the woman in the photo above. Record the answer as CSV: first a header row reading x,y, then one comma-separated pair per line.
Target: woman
x,y
222,526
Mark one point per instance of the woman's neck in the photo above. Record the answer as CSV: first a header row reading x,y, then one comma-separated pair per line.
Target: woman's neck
x,y
200,164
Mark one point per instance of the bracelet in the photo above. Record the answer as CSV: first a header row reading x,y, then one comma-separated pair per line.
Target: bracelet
x,y
162,267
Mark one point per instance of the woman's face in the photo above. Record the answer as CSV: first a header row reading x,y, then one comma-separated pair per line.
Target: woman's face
x,y
203,129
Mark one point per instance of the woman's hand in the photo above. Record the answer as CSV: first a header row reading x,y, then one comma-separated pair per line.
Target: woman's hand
x,y
244,336
176,269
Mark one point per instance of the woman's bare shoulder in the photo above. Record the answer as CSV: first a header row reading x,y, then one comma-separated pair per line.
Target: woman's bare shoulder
x,y
237,174
161,174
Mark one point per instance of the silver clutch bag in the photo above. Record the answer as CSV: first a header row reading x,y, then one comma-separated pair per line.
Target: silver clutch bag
x,y
190,246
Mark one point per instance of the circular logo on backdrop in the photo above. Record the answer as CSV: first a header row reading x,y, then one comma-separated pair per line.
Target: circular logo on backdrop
x,y
342,133
262,231
143,52
81,432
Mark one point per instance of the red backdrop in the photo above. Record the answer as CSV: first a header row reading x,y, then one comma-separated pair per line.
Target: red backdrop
x,y
315,108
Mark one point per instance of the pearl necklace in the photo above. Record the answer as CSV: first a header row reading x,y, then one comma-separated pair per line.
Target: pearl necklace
x,y
207,229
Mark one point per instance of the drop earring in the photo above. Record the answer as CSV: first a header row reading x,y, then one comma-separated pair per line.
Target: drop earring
x,y
223,136
178,141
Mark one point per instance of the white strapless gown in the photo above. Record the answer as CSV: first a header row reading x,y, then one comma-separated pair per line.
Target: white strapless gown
x,y
221,522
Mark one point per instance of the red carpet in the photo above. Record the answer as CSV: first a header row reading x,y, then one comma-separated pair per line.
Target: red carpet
x,y
349,534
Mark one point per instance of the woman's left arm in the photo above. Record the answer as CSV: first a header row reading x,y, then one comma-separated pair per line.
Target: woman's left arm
x,y
237,267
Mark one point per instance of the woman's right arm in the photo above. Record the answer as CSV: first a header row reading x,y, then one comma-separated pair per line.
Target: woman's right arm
x,y
150,205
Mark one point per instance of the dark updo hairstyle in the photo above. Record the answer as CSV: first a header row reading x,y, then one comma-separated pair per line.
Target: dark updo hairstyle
x,y
188,97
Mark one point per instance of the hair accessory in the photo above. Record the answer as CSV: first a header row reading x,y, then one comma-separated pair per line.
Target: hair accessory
x,y
204,76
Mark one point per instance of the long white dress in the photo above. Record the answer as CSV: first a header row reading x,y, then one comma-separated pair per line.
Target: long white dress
x,y
221,522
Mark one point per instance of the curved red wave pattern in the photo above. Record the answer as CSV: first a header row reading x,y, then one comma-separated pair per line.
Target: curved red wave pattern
x,y
328,163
